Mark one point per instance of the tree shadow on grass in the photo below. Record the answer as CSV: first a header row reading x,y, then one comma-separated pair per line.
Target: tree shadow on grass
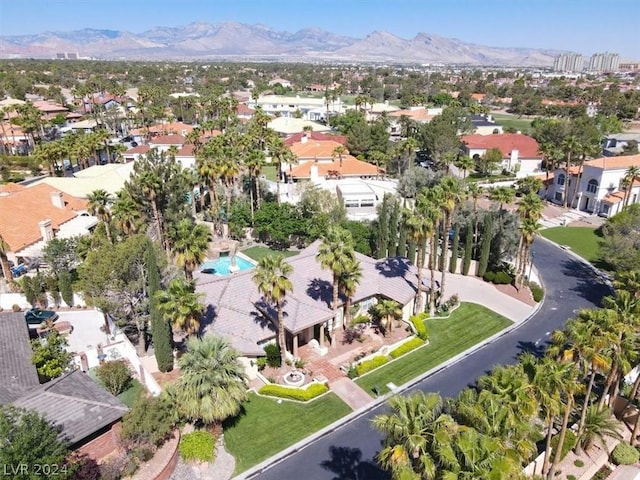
x,y
346,464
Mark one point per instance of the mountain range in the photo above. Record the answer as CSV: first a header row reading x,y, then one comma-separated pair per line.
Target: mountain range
x,y
230,40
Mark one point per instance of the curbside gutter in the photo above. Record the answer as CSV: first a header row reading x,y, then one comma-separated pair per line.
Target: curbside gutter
x,y
305,442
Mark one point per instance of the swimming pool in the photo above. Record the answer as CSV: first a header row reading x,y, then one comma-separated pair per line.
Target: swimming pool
x,y
221,266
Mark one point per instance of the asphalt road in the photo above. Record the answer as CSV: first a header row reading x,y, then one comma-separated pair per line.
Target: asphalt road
x,y
349,452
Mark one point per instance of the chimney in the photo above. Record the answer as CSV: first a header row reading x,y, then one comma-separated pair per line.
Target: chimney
x,y
57,200
313,172
46,230
304,138
514,155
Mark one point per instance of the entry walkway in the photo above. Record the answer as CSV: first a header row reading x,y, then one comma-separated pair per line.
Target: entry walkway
x,y
350,393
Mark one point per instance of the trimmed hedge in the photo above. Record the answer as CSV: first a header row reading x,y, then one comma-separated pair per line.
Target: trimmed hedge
x,y
418,323
625,454
199,445
503,278
536,291
302,395
371,364
406,347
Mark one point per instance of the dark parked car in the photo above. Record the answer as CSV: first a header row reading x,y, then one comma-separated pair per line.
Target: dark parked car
x,y
36,316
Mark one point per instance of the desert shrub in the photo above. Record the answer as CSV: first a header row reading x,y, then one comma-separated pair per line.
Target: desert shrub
x,y
291,393
406,347
536,291
352,334
261,362
198,445
579,463
625,454
571,477
114,376
16,308
418,323
353,371
299,363
360,319
273,355
371,364
150,421
489,276
502,278
570,441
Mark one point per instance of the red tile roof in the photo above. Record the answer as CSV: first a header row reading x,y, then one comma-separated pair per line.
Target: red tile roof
x,y
167,140
351,167
22,208
138,149
297,137
615,163
613,198
506,143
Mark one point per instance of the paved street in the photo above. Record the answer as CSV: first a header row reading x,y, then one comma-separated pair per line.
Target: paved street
x,y
348,452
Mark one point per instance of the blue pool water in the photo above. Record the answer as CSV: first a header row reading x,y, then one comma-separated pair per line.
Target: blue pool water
x,y
221,265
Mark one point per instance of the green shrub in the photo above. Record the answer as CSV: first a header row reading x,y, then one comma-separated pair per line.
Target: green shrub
x,y
570,441
418,324
150,421
360,319
406,347
571,477
503,278
261,362
536,291
579,463
302,395
273,355
371,364
489,276
625,454
199,445
114,376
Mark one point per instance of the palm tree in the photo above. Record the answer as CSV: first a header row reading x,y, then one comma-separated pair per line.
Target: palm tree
x,y
125,212
474,191
339,152
630,175
4,261
253,162
350,278
429,206
570,145
212,385
452,196
388,311
502,195
334,253
419,228
280,153
272,278
598,426
180,305
99,206
190,243
465,163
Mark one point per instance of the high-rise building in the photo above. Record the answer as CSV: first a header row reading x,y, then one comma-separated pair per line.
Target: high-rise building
x,y
604,62
568,62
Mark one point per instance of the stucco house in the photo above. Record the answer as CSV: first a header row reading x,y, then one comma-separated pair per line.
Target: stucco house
x,y
601,190
519,152
235,309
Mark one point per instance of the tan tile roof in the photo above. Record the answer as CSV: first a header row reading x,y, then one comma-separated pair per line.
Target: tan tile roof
x,y
167,140
351,167
138,149
615,163
417,114
21,210
164,129
613,198
315,148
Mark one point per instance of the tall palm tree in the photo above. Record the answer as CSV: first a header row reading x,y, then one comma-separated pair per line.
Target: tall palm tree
x,y
428,205
336,251
99,201
338,153
4,261
253,162
474,192
272,278
570,146
190,243
466,164
630,175
180,305
125,213
280,154
350,278
452,197
212,384
419,228
502,195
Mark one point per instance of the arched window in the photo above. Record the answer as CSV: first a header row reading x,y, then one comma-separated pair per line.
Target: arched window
x,y
592,186
561,179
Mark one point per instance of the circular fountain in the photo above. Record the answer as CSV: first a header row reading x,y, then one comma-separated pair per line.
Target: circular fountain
x,y
294,378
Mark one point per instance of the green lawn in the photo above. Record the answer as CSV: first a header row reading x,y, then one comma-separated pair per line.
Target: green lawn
x,y
266,427
582,240
507,120
468,325
258,252
269,171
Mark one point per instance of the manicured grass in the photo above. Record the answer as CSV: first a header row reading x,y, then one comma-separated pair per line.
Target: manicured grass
x,y
258,252
265,427
468,325
269,171
507,120
129,396
583,241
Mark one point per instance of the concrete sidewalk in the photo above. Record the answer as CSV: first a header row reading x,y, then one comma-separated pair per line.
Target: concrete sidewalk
x,y
351,393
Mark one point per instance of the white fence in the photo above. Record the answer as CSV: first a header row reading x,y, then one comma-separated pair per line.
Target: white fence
x,y
8,300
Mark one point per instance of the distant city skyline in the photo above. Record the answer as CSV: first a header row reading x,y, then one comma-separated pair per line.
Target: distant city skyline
x,y
582,26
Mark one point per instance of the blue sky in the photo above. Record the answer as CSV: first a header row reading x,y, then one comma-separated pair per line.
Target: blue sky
x,y
585,26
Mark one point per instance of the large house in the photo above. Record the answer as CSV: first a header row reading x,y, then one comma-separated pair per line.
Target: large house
x,y
31,216
306,107
519,152
601,189
84,411
235,309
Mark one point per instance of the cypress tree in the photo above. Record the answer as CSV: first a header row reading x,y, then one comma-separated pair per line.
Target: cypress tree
x,y
160,329
412,251
453,264
394,218
485,248
383,225
66,288
468,249
402,241
443,254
